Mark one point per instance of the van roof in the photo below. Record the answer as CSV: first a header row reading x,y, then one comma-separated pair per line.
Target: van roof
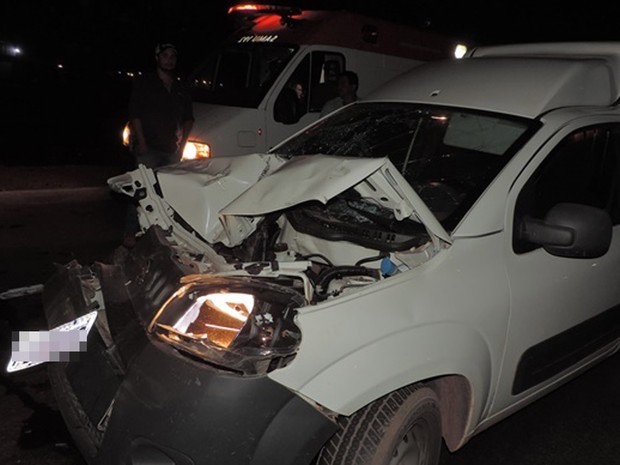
x,y
522,79
350,30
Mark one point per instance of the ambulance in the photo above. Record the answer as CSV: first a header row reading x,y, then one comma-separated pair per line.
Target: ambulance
x,y
242,93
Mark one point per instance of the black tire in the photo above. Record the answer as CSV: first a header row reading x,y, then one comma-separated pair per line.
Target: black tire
x,y
85,435
401,428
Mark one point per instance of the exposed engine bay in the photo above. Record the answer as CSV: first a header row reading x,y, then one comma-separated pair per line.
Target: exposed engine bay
x,y
295,247
322,245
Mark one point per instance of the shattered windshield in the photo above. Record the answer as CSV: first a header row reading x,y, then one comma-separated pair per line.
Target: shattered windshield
x,y
448,156
240,74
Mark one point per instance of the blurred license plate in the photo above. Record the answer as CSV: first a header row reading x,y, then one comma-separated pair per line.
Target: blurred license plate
x,y
61,344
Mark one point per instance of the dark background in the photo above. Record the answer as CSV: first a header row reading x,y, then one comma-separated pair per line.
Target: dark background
x,y
74,114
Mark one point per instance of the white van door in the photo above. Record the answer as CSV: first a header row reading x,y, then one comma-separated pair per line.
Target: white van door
x,y
302,93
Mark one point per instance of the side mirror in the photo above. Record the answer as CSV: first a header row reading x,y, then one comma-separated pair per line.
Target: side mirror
x,y
570,230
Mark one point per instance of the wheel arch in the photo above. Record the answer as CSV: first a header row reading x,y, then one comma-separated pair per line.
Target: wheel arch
x,y
455,404
454,360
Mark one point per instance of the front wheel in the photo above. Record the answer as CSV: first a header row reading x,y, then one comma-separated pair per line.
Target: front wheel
x,y
401,428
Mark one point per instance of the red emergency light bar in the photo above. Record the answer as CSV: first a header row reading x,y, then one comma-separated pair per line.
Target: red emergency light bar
x,y
257,9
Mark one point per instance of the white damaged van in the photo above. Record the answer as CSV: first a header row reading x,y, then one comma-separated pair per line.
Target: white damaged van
x,y
376,290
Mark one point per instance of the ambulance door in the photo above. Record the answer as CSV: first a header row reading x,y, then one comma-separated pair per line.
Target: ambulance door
x,y
300,100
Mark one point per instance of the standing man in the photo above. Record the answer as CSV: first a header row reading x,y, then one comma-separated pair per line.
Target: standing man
x,y
161,118
160,112
348,83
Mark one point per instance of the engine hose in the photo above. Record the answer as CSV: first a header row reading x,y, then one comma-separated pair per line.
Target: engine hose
x,y
381,256
338,272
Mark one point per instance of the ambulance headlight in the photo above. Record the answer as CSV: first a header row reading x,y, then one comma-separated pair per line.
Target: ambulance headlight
x,y
195,150
460,50
126,135
239,324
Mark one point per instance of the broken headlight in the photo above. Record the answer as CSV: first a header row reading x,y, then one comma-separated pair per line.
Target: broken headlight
x,y
235,323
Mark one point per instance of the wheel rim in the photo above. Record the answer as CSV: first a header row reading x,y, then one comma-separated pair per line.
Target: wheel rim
x,y
413,448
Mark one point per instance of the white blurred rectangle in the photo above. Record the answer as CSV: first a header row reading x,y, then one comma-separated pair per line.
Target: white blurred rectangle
x,y
61,344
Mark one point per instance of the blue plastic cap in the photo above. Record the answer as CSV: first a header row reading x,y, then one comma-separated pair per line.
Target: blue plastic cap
x,y
388,268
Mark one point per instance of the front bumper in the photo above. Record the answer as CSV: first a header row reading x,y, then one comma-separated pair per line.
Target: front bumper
x,y
131,399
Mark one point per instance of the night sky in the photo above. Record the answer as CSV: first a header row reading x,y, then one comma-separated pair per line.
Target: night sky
x,y
114,33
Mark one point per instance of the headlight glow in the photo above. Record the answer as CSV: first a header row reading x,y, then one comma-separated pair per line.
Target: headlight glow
x,y
194,150
460,50
127,135
216,317
234,304
236,323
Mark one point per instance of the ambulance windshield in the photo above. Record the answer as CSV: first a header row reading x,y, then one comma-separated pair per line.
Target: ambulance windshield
x,y
240,74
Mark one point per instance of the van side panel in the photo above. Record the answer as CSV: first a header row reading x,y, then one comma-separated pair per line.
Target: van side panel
x,y
350,30
374,69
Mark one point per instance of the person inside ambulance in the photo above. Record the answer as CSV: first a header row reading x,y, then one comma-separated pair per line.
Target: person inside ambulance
x,y
291,104
328,89
348,82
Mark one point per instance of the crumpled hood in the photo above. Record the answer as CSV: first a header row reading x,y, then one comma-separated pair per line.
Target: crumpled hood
x,y
303,178
198,190
224,199
321,178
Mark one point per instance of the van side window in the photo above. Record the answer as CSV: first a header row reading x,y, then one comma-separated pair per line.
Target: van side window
x,y
292,102
313,83
240,74
326,66
582,169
